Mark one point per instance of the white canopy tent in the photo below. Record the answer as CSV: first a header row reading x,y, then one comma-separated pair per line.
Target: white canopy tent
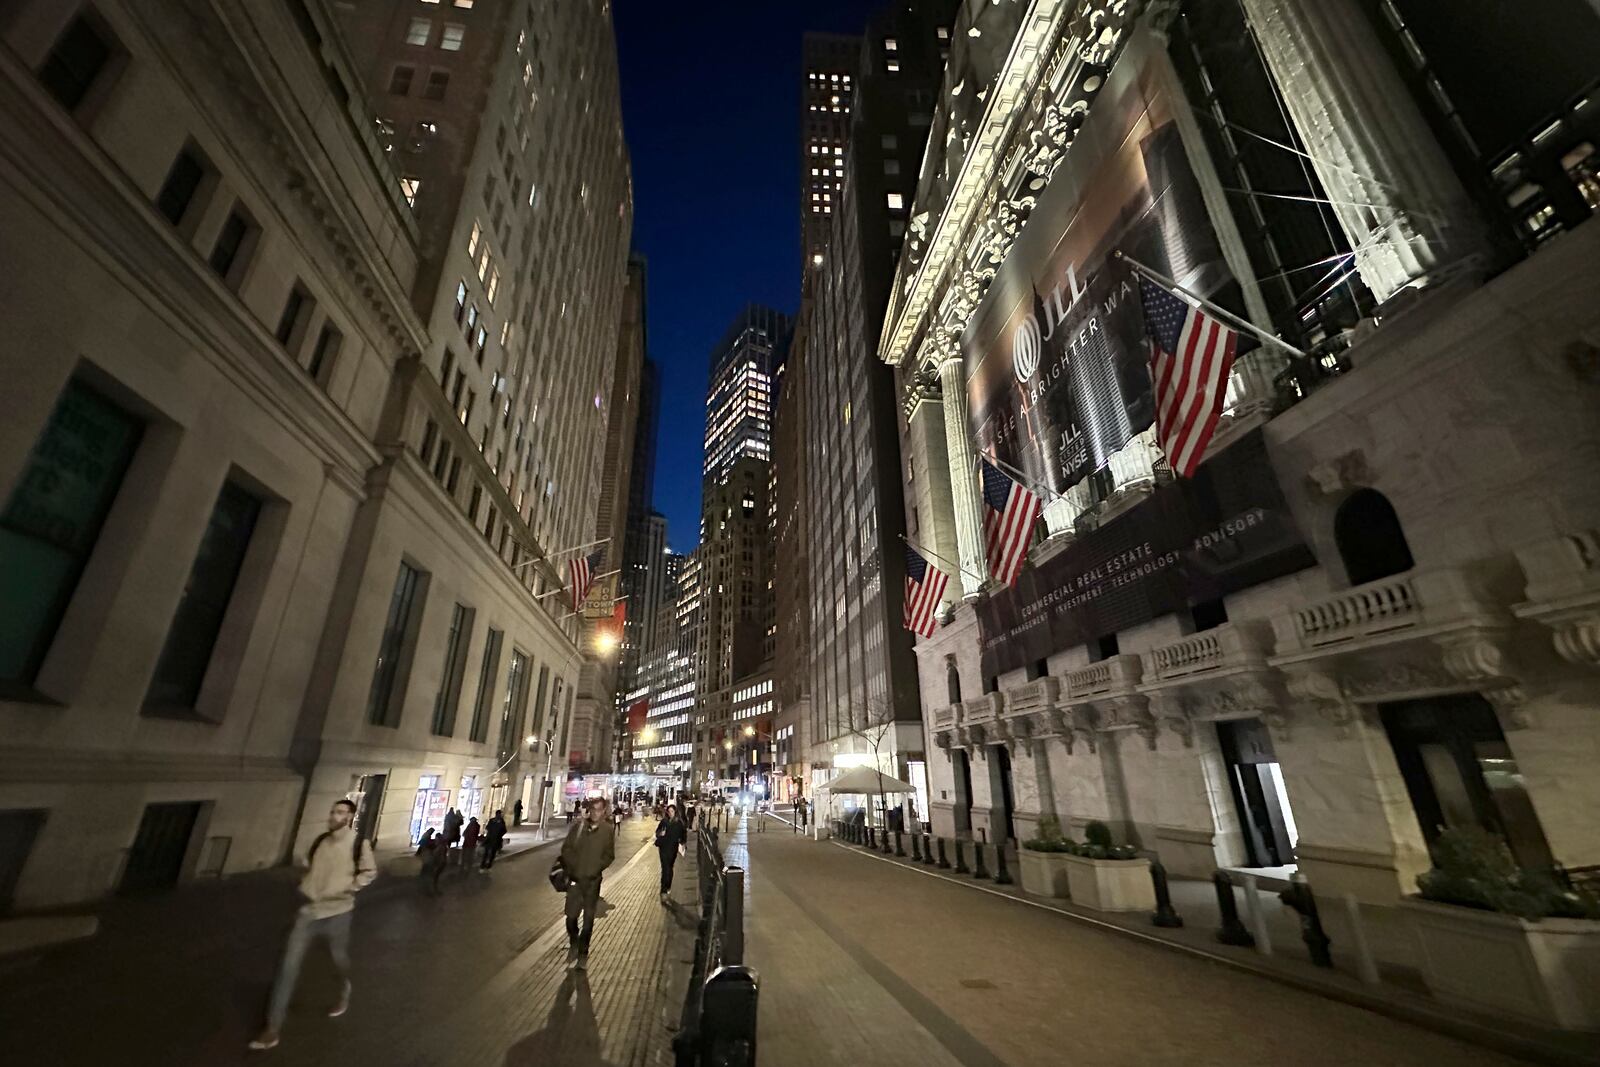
x,y
868,782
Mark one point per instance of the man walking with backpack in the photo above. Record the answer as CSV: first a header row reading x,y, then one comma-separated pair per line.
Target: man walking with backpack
x,y
339,865
590,847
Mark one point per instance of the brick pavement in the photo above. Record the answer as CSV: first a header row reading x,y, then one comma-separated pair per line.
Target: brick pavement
x,y
871,962
476,976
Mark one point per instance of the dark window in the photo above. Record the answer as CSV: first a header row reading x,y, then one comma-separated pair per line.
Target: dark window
x,y
455,666
1208,615
77,58
438,82
327,350
480,707
400,80
445,368
430,437
991,683
230,242
53,518
383,709
198,620
183,181
294,309
442,463
455,474
515,705
1038,669
1105,647
1369,538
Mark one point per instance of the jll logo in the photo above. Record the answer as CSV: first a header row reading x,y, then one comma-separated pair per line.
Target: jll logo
x,y
1028,342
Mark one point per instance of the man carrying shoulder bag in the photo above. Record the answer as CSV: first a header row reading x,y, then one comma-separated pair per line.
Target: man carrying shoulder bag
x,y
589,849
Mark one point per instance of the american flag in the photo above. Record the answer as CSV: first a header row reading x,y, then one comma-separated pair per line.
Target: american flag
x,y
924,590
1009,512
581,572
1190,359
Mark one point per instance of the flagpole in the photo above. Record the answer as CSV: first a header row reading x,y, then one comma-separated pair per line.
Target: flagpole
x,y
548,556
1221,312
1023,478
570,614
938,557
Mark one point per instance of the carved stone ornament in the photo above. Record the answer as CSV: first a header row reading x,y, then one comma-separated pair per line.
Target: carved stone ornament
x,y
1341,474
1313,687
1395,679
1169,711
1578,640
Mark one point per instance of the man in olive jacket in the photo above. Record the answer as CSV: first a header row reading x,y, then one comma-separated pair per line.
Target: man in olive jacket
x,y
590,847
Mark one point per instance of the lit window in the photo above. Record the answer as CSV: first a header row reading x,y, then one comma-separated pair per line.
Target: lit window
x,y
408,189
454,32
474,237
419,32
893,65
463,3
896,202
890,44
494,283
816,260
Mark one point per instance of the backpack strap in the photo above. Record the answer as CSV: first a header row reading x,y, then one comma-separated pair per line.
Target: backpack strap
x,y
316,845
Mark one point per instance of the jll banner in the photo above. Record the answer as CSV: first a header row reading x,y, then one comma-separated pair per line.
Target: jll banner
x,y
1195,540
1058,367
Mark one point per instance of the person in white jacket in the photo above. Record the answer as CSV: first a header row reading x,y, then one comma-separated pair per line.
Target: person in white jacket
x,y
339,864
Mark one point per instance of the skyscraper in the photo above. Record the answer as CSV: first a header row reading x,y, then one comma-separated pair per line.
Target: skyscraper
x,y
863,676
739,395
829,61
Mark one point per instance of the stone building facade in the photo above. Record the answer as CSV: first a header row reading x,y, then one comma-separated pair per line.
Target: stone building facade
x,y
1414,646
293,556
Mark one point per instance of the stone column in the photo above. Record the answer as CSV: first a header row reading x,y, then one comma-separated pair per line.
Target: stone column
x,y
1399,203
963,475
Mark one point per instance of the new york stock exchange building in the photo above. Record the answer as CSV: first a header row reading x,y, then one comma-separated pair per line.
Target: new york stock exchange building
x,y
1370,613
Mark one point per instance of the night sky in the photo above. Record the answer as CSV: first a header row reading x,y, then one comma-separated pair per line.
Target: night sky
x,y
710,100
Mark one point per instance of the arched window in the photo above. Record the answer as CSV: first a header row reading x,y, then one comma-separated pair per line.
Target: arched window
x,y
1370,540
952,680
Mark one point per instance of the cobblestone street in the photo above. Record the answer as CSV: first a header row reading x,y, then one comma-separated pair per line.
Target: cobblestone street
x,y
476,976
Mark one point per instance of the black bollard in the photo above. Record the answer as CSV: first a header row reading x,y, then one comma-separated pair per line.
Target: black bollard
x,y
883,840
1299,897
916,848
899,849
1165,914
1001,875
1232,931
943,863
927,851
978,868
961,862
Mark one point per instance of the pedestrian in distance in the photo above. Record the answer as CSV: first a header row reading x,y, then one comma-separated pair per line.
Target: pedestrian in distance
x,y
434,853
338,865
670,837
469,843
494,838
516,813
452,834
590,847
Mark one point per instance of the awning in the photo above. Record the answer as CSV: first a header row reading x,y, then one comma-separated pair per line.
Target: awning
x,y
866,781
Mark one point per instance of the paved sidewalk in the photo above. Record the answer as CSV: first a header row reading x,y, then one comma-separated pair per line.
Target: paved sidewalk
x,y
474,977
873,962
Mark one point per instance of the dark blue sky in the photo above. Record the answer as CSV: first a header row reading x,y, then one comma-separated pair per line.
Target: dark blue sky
x,y
710,101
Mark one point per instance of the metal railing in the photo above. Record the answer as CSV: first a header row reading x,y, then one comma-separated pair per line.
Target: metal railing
x,y
718,1025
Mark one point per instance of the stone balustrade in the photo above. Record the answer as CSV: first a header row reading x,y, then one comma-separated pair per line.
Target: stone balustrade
x,y
1037,695
1243,644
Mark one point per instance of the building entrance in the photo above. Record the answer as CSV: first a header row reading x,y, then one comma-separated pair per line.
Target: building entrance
x,y
156,859
1258,794
1000,790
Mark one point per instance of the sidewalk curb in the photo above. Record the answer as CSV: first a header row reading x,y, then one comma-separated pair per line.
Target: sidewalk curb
x,y
1395,1004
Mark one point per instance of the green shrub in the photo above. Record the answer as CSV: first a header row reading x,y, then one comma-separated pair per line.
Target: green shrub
x,y
1049,839
1099,845
1474,868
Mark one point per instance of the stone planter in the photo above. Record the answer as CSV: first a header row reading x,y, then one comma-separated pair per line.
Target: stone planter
x,y
1110,885
1544,972
1044,874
